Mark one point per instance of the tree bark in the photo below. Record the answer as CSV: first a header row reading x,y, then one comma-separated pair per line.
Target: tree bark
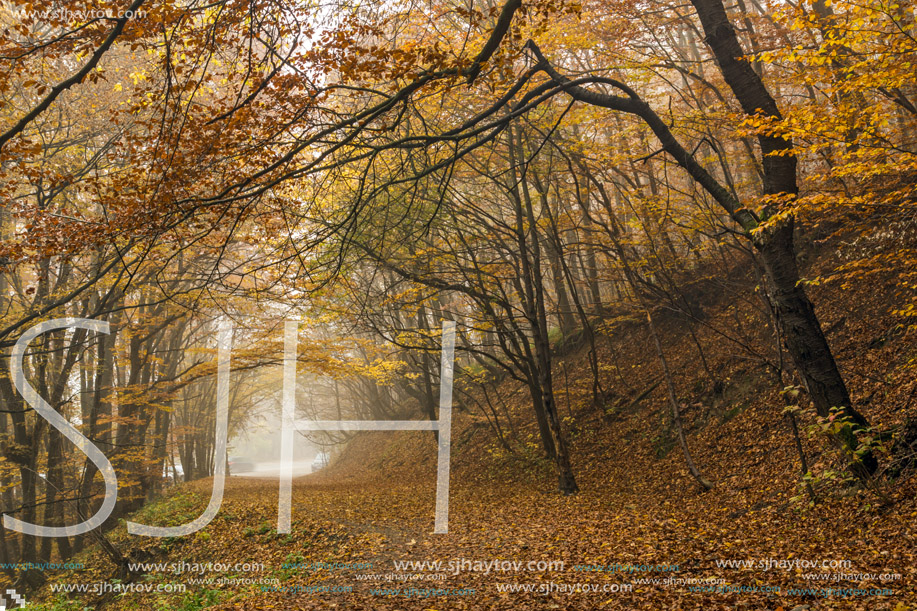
x,y
536,314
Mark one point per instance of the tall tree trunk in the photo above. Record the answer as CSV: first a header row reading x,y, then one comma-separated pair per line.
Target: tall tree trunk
x,y
805,340
566,480
534,306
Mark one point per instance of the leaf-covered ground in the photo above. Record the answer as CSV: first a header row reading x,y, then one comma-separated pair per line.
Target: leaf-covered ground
x,y
639,515
378,522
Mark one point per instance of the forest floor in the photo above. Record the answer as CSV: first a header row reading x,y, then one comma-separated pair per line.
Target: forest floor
x,y
346,530
641,534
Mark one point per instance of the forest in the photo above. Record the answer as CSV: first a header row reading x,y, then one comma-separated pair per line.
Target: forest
x,y
622,292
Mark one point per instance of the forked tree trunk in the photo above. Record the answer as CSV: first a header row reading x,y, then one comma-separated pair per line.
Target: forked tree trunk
x,y
535,312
